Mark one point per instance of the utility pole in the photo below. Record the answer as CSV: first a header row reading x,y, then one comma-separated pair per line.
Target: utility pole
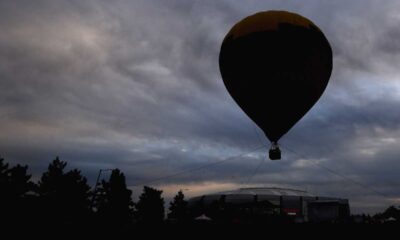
x,y
97,183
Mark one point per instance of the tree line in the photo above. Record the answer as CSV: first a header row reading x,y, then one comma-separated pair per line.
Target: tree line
x,y
63,197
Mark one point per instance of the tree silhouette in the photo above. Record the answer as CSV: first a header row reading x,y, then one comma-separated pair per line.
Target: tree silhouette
x,y
3,174
15,185
178,208
20,181
150,207
392,212
64,196
114,205
62,199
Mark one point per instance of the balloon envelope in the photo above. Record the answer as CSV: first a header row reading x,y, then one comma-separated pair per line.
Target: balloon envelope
x,y
275,65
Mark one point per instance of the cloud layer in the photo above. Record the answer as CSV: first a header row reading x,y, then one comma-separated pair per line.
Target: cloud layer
x,y
136,85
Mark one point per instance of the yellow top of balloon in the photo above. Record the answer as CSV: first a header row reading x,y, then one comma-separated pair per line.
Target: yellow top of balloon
x,y
268,20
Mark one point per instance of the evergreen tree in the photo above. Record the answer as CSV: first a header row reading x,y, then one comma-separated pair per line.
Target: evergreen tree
x,y
150,207
392,212
19,181
64,196
114,204
15,186
178,208
3,174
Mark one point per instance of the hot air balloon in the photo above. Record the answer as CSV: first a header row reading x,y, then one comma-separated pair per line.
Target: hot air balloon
x,y
275,65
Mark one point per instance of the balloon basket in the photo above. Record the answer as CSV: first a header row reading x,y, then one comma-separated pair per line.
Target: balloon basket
x,y
275,152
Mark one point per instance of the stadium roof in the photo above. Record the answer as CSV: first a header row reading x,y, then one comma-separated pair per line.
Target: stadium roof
x,y
267,191
271,194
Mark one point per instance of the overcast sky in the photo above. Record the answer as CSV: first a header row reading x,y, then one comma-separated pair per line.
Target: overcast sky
x,y
135,85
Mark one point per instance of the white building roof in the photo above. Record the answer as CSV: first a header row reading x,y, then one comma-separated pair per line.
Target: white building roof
x,y
273,191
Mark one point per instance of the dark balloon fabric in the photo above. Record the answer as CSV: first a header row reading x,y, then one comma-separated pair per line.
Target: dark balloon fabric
x,y
275,65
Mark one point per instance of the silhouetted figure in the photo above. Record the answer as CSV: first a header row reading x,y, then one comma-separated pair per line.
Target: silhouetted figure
x,y
178,209
113,202
64,196
150,207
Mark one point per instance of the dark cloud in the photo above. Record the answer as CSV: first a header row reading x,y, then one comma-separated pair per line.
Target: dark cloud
x,y
136,85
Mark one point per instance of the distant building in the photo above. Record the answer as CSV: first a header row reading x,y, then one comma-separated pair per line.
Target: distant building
x,y
255,205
